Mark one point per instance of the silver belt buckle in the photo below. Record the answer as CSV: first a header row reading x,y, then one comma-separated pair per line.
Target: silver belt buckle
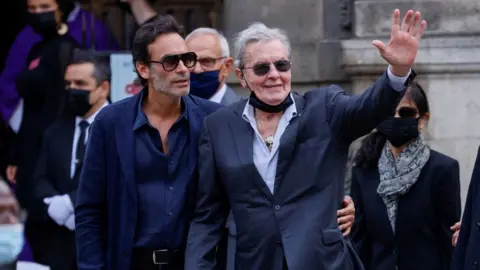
x,y
155,258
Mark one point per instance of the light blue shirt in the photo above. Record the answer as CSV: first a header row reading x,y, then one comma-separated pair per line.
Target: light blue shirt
x,y
265,160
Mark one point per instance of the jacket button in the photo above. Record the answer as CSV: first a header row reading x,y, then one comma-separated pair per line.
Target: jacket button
x,y
277,207
478,226
475,265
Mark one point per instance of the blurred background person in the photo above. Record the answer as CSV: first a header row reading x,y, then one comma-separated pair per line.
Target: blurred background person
x,y
79,22
208,77
42,87
467,246
11,228
406,195
51,224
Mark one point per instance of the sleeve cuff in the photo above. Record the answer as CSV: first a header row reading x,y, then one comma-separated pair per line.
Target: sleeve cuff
x,y
397,83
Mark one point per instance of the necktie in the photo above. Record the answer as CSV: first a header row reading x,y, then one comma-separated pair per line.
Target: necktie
x,y
80,147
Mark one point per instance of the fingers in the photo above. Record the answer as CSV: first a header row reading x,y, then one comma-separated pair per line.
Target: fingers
x,y
345,219
380,46
407,21
396,21
423,26
346,228
456,226
347,211
455,238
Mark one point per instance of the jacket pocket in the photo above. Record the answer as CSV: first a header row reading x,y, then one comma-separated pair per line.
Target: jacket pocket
x,y
330,236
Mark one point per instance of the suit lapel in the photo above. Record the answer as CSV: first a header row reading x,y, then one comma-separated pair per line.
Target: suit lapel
x,y
288,142
195,122
124,138
243,135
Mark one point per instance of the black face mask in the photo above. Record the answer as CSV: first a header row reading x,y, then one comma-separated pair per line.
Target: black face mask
x,y
78,101
43,23
262,106
399,131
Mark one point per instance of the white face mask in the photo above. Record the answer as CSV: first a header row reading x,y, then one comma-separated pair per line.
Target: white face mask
x,y
11,242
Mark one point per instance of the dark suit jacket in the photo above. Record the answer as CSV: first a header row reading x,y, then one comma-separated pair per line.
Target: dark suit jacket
x,y
52,172
230,97
467,251
299,221
52,244
106,209
422,239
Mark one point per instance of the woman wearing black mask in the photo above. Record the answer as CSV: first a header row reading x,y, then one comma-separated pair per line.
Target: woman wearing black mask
x,y
42,87
406,195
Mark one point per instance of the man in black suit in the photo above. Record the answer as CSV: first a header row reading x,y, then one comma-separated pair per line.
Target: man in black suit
x,y
277,160
58,169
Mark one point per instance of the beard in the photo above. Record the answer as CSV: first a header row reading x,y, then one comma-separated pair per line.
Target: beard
x,y
164,86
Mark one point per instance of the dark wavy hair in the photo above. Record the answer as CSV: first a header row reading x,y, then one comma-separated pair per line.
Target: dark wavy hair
x,y
369,153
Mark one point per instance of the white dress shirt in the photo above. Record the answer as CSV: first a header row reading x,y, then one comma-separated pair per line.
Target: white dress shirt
x,y
217,97
265,160
76,137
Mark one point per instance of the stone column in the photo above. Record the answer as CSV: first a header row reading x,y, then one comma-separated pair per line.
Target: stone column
x,y
448,65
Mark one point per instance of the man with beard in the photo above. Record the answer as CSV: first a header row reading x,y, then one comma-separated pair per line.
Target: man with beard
x,y
136,190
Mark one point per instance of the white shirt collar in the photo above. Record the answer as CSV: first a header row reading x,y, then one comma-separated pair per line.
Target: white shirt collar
x,y
90,119
218,96
249,115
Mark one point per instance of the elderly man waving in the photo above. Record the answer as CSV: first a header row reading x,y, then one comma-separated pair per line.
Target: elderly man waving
x,y
277,160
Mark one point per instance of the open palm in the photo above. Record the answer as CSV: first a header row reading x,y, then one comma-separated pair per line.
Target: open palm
x,y
403,45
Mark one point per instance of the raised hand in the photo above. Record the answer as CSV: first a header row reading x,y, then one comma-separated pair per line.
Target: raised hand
x,y
402,48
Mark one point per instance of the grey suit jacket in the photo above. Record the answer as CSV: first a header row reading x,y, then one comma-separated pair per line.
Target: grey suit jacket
x,y
299,221
230,97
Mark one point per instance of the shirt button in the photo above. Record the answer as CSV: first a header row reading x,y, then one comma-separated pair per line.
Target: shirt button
x,y
170,213
277,207
478,226
170,188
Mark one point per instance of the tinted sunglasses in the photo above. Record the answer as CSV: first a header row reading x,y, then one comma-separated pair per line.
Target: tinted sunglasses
x,y
262,69
407,112
170,62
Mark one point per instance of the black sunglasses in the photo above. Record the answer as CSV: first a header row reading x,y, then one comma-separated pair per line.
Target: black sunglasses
x,y
262,69
170,62
407,112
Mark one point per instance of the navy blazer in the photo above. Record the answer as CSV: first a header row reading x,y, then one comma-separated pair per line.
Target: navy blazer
x,y
422,239
299,221
106,209
467,251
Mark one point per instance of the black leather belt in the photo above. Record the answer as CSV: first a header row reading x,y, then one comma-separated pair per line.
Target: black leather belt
x,y
158,259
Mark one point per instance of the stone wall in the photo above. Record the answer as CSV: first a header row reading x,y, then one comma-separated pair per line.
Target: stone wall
x,y
448,65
